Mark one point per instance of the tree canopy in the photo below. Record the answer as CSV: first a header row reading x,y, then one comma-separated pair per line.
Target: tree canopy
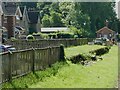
x,y
84,16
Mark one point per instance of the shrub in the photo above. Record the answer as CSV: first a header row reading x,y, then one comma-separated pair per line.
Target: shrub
x,y
13,38
42,35
80,58
65,35
30,37
101,51
85,58
52,35
75,36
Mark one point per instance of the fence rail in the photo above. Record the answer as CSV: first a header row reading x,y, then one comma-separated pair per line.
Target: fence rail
x,y
24,44
22,62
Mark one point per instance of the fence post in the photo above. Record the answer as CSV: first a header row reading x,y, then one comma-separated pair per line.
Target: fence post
x,y
9,66
33,60
62,53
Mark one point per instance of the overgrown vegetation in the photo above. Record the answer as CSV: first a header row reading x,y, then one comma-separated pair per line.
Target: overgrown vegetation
x,y
101,51
32,78
85,58
103,74
30,37
69,75
81,58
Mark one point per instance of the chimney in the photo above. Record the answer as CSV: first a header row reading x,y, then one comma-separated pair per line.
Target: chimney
x,y
10,25
106,23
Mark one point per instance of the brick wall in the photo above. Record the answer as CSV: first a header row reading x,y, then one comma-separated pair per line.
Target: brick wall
x,y
10,25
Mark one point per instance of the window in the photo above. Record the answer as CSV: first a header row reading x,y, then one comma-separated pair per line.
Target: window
x,y
100,35
110,35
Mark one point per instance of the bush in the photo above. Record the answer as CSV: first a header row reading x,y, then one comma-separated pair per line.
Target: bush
x,y
13,39
65,35
75,36
101,51
52,35
30,37
80,58
85,58
42,35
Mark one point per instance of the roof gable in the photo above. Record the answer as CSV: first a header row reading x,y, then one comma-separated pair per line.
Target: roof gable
x,y
18,12
104,29
23,12
33,16
11,9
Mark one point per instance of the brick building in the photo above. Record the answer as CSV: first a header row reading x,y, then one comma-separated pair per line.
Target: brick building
x,y
105,32
16,17
10,17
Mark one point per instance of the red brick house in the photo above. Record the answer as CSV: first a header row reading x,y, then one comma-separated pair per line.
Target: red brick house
x,y
105,32
13,17
10,17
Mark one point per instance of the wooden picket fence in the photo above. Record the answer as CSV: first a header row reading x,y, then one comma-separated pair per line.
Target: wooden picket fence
x,y
24,44
19,63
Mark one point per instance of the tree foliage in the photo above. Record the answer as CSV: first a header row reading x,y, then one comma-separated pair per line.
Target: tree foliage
x,y
87,17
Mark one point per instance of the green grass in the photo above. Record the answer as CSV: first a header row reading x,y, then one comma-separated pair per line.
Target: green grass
x,y
102,74
27,80
72,51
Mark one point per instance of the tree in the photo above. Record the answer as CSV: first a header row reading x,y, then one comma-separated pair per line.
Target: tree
x,y
56,19
44,8
98,13
46,21
89,16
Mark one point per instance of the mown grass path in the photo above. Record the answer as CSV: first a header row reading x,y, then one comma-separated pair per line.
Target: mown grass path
x,y
72,51
102,74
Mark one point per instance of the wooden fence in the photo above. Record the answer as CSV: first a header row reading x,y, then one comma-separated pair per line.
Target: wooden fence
x,y
24,44
21,62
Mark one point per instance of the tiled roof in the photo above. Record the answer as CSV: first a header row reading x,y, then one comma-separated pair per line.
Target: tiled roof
x,y
33,16
9,9
104,28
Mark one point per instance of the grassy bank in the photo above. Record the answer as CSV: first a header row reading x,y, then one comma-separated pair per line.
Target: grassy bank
x,y
101,74
32,78
72,51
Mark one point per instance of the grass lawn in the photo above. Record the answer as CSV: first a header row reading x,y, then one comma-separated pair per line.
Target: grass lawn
x,y
72,51
102,74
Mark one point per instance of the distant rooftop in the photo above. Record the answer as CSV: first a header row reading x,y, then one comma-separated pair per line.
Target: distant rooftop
x,y
33,16
9,8
54,29
104,29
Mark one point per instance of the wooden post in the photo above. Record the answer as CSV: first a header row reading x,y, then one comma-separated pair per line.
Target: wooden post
x,y
9,72
33,60
62,54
